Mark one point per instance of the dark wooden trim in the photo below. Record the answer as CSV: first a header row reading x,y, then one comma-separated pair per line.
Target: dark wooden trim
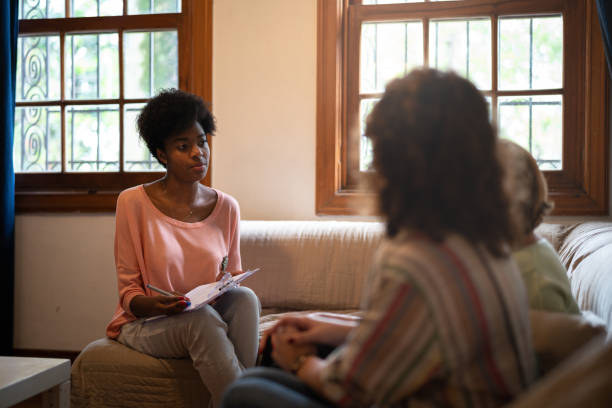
x,y
84,181
196,57
370,95
67,102
597,126
494,67
70,355
352,130
99,24
121,104
84,192
329,93
456,9
65,201
531,92
426,22
581,188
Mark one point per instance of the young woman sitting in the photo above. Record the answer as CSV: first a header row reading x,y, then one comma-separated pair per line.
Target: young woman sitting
x,y
176,234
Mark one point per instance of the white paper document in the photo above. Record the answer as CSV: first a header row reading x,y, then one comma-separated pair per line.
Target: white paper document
x,y
204,294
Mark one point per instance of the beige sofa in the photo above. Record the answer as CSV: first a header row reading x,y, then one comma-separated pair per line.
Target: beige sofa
x,y
309,265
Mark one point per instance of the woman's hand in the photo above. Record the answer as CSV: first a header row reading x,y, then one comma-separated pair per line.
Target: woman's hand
x,y
317,328
148,306
314,328
285,354
266,333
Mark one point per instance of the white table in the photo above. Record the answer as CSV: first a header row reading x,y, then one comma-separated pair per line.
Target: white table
x,y
25,377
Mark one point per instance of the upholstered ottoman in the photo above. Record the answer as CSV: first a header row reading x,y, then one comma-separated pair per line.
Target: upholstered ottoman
x,y
109,374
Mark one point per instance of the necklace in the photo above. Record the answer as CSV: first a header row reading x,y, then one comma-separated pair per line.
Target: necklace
x,y
175,207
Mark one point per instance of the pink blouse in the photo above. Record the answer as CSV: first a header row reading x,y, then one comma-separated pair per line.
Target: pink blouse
x,y
151,247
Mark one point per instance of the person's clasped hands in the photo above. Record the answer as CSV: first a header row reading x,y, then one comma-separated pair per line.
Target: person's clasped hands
x,y
296,336
287,353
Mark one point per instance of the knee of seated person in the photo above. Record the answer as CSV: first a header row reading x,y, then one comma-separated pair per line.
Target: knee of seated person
x,y
234,395
244,297
205,317
243,392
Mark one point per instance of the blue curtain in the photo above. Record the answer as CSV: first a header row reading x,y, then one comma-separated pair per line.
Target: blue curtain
x,y
604,8
8,45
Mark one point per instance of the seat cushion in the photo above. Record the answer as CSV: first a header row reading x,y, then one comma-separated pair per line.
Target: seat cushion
x,y
109,374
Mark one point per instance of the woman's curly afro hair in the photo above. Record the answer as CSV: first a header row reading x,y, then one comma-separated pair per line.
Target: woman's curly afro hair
x,y
170,112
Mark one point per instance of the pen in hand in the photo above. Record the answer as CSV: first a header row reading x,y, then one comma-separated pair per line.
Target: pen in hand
x,y
164,292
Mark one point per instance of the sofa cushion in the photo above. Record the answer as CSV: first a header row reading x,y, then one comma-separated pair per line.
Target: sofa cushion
x,y
309,264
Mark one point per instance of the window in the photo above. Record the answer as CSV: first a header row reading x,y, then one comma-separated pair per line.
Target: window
x,y
85,68
539,64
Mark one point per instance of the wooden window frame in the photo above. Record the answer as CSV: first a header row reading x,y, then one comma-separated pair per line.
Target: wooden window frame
x,y
581,188
97,192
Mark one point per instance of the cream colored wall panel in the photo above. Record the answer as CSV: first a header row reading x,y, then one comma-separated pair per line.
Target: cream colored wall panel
x,y
65,284
264,89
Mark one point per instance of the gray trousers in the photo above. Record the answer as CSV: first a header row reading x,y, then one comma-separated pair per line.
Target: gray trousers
x,y
263,387
221,340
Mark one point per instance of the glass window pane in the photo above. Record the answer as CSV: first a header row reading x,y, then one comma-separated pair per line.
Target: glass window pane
x,y
151,62
463,46
38,68
136,155
92,138
37,145
365,150
389,50
531,53
85,77
536,123
95,8
153,6
33,9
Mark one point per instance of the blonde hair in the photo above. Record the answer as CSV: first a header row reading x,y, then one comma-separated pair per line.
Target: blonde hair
x,y
525,185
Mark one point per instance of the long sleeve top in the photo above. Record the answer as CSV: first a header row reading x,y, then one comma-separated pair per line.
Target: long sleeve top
x,y
152,248
446,324
548,287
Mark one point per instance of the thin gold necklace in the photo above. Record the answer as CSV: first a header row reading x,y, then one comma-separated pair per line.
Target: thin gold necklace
x,y
165,191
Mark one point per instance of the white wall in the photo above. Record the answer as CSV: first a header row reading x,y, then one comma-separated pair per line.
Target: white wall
x,y
264,88
65,285
264,84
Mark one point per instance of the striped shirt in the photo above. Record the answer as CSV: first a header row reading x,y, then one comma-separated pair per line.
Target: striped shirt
x,y
446,324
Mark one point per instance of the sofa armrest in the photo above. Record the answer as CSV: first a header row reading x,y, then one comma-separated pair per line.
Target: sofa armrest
x,y
585,380
556,336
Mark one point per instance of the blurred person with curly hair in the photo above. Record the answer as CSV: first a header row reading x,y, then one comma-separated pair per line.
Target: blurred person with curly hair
x,y
175,233
446,321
